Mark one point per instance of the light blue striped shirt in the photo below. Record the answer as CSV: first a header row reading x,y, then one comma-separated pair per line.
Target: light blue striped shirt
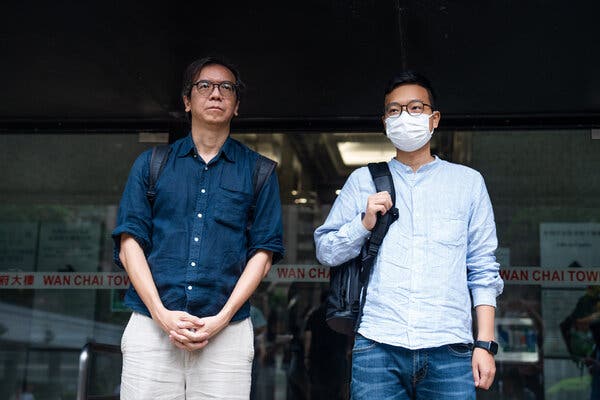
x,y
440,249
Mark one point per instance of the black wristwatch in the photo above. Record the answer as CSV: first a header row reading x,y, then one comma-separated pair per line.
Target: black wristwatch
x,y
490,346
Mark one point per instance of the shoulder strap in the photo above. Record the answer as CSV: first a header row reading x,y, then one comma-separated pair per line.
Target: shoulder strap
x,y
262,170
158,159
380,172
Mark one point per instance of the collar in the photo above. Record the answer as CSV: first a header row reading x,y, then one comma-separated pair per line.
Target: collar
x,y
423,168
187,148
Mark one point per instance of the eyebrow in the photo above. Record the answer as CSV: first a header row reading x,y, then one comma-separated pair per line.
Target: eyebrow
x,y
210,81
399,104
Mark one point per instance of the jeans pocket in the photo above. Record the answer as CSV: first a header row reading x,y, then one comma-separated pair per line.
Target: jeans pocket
x,y
460,350
362,344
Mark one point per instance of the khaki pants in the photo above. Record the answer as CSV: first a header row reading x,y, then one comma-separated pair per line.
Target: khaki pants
x,y
153,368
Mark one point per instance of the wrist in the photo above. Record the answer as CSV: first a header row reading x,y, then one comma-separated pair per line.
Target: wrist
x,y
156,311
367,221
487,345
225,315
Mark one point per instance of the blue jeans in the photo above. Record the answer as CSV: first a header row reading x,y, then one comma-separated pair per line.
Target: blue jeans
x,y
384,372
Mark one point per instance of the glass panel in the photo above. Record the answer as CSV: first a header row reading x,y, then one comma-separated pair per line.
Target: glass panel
x,y
58,202
57,208
545,190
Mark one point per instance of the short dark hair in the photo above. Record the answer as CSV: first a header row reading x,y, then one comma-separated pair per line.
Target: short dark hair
x,y
411,77
196,66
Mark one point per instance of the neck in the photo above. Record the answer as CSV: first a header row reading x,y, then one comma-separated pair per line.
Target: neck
x,y
209,139
415,159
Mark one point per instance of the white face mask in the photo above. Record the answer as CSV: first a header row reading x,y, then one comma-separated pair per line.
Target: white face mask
x,y
408,133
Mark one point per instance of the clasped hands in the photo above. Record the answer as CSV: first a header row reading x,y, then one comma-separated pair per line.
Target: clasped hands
x,y
188,332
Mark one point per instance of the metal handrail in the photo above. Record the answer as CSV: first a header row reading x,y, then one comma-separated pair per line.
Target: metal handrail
x,y
84,364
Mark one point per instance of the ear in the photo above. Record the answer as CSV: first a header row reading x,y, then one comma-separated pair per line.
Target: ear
x,y
435,119
187,103
237,106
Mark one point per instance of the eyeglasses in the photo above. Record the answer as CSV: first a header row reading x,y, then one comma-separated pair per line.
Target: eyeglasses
x,y
414,108
205,88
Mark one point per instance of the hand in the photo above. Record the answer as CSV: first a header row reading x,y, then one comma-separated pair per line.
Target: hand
x,y
376,203
169,320
180,323
592,364
484,368
194,333
583,324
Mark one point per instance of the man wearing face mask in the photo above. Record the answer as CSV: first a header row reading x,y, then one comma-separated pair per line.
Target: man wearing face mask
x,y
415,338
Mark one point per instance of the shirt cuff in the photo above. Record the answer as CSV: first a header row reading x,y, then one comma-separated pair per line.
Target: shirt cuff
x,y
357,231
484,297
277,252
116,235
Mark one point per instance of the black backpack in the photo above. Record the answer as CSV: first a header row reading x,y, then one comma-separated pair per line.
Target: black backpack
x,y
348,282
262,170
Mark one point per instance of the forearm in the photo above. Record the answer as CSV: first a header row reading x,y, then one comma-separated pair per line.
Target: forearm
x,y
135,263
256,269
485,322
336,245
589,318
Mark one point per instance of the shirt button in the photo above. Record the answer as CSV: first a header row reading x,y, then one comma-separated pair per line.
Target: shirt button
x,y
202,191
189,288
196,239
199,215
193,264
206,168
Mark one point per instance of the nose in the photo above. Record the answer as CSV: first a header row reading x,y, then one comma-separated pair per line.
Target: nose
x,y
215,92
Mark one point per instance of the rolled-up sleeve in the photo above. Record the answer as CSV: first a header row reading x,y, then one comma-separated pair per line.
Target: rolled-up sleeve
x,y
135,213
266,232
342,235
483,275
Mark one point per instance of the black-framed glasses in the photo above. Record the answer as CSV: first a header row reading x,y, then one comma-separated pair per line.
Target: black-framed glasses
x,y
414,108
205,88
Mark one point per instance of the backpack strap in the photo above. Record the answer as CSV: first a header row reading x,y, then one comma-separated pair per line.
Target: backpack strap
x,y
380,172
262,170
382,177
158,159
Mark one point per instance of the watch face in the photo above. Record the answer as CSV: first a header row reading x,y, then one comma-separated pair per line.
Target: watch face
x,y
490,346
493,348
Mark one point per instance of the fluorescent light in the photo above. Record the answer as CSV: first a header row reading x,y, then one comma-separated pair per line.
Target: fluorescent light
x,y
362,153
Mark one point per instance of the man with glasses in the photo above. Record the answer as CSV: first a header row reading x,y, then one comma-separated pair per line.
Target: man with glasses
x,y
415,338
196,253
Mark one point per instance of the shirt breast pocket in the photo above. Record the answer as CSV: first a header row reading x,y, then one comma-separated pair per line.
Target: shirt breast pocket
x,y
449,231
232,206
448,239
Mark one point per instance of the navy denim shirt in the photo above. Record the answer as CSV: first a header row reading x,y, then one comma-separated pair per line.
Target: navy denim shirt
x,y
194,236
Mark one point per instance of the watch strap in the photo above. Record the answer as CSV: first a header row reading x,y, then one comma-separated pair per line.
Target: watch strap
x,y
490,346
